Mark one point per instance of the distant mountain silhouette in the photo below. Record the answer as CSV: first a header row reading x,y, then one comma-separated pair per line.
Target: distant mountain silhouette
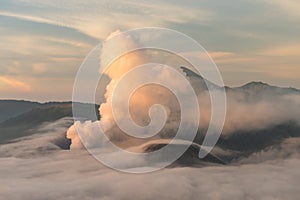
x,y
254,86
24,123
12,108
261,89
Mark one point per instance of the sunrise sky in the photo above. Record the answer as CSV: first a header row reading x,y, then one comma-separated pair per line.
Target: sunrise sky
x,y
42,43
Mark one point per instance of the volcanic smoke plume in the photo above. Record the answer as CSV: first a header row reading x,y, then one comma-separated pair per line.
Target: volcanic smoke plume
x,y
141,100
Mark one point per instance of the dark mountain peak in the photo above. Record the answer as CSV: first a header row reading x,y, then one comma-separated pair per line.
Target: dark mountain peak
x,y
198,82
264,87
190,73
256,84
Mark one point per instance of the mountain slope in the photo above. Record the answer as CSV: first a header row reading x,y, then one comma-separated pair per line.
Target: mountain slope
x,y
12,108
26,123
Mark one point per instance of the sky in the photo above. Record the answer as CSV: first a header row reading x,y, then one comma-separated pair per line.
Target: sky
x,y
43,43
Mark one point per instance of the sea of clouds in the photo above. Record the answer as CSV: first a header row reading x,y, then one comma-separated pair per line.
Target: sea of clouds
x,y
27,172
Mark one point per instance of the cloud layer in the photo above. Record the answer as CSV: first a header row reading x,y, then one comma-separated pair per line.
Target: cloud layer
x,y
61,174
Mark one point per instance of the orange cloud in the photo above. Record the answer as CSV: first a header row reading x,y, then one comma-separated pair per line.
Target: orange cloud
x,y
230,57
286,50
39,68
221,54
14,84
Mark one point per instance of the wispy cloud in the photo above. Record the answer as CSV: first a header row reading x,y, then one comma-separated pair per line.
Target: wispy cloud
x,y
9,83
30,18
98,19
241,36
290,7
283,50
